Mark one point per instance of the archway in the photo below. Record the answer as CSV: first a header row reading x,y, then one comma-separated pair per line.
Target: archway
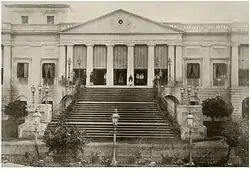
x,y
22,98
48,100
245,108
173,102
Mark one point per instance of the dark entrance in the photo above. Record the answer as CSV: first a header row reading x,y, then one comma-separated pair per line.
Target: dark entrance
x,y
99,76
120,76
80,73
141,76
163,73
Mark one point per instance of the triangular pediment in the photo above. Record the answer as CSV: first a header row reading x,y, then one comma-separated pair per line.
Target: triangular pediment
x,y
121,21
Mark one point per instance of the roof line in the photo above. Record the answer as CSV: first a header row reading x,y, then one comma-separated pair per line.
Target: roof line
x,y
108,14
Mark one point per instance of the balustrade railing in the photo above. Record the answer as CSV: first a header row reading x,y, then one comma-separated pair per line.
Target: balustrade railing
x,y
163,105
67,99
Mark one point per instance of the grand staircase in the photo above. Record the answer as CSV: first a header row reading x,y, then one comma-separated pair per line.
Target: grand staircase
x,y
140,117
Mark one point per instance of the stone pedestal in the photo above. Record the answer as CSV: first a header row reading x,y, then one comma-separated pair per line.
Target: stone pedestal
x,y
27,129
199,131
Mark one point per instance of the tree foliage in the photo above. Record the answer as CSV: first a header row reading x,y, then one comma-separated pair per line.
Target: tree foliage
x,y
216,107
16,109
65,140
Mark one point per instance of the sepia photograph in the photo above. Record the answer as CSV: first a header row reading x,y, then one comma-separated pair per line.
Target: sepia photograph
x,y
124,84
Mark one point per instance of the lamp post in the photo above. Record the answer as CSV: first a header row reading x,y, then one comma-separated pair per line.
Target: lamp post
x,y
46,92
69,63
170,77
40,87
189,91
36,117
79,73
33,89
115,119
190,119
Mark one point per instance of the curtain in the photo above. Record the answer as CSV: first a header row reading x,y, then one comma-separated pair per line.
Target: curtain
x,y
161,57
219,69
79,53
244,57
193,70
120,57
140,57
22,70
48,70
100,57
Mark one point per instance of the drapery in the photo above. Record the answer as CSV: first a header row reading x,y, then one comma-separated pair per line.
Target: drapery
x,y
161,56
100,56
120,57
80,53
140,56
48,70
22,70
219,69
244,57
193,70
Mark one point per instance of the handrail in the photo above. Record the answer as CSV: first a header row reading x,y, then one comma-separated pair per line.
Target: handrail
x,y
162,103
67,99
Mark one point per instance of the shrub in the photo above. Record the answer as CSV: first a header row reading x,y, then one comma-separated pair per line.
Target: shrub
x,y
236,137
16,110
216,107
65,141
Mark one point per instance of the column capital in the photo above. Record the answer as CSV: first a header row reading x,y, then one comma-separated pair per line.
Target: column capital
x,y
89,44
130,45
110,44
235,44
151,44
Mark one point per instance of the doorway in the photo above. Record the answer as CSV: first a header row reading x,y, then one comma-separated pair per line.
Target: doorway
x,y
80,73
99,76
141,76
120,76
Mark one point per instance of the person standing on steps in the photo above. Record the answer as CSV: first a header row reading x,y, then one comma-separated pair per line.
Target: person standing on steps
x,y
130,80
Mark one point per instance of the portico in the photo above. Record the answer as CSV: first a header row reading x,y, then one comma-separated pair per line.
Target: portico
x,y
127,46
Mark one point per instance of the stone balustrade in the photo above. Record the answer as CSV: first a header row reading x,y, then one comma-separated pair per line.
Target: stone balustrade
x,y
193,28
34,28
210,27
63,26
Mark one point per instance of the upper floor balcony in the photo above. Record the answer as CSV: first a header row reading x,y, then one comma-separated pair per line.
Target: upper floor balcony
x,y
210,27
35,28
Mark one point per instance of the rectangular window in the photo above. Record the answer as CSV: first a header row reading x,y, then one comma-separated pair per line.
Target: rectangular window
x,y
219,74
244,77
22,70
50,20
244,65
25,19
48,73
193,74
22,73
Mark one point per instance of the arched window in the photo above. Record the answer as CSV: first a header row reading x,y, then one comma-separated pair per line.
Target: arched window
x,y
245,108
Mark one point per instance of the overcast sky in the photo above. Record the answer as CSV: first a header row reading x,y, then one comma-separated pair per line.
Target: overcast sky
x,y
167,11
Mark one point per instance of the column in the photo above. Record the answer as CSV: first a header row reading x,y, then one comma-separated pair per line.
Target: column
x,y
89,63
130,67
235,65
110,71
179,63
171,57
205,66
7,74
62,61
69,56
151,65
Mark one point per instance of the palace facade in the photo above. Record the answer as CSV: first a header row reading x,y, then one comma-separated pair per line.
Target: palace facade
x,y
38,47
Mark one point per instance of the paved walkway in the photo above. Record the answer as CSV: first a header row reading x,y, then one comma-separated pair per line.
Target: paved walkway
x,y
12,165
